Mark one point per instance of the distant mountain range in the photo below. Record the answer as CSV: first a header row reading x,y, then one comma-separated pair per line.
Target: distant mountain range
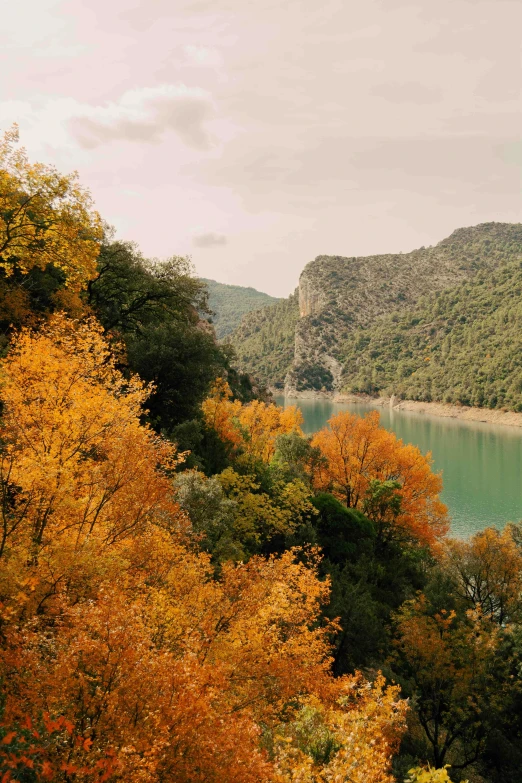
x,y
439,323
230,303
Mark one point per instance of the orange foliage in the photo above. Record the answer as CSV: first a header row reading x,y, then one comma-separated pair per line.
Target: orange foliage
x,y
116,636
220,413
357,452
451,661
488,573
253,427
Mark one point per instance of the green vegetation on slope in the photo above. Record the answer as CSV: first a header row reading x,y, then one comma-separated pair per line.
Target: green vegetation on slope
x,y
440,323
460,345
340,296
264,341
229,303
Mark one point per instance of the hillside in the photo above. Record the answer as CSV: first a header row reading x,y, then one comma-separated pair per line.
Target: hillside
x,y
264,341
230,303
462,345
439,323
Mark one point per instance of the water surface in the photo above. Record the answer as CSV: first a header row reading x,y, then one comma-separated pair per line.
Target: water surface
x,y
481,463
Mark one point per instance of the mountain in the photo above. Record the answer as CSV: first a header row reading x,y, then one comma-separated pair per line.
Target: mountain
x,y
231,302
439,323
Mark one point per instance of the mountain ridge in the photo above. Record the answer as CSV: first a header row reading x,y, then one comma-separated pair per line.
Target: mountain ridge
x,y
229,303
343,304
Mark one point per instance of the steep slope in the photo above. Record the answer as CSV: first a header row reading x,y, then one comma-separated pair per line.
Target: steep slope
x,y
231,302
363,322
462,345
264,341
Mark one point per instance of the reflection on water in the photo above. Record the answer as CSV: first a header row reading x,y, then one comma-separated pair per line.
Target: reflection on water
x,y
481,464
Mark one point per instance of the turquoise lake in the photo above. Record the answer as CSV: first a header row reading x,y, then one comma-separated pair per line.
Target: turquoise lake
x,y
481,463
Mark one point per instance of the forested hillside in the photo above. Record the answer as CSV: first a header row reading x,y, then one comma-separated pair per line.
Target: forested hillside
x,y
229,303
460,345
439,323
264,341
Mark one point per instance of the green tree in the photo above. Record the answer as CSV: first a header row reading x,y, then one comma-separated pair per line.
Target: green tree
x,y
153,307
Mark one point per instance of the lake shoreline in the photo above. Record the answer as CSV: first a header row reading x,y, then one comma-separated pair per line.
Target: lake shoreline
x,y
442,409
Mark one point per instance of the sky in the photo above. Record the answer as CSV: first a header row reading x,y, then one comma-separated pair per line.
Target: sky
x,y
256,136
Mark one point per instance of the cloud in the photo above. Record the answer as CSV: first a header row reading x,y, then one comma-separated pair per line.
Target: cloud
x,y
145,115
209,240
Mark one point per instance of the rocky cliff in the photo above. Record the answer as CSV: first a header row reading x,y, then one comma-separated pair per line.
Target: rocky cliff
x,y
341,297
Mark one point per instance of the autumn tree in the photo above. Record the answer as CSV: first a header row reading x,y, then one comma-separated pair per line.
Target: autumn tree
x,y
326,743
487,573
456,676
251,429
76,466
368,468
45,218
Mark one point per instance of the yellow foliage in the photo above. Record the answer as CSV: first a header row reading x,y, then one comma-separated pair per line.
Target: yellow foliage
x,y
333,743
75,458
252,427
258,516
419,775
115,634
45,218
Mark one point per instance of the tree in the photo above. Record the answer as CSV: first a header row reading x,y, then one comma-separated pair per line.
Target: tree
x,y
251,429
328,744
153,307
212,514
260,517
295,457
129,291
456,677
369,582
76,465
357,453
487,573
45,218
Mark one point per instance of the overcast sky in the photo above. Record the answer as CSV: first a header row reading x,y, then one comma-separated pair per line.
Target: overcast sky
x,y
256,135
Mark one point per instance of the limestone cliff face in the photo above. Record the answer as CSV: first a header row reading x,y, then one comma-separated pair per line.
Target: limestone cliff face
x,y
312,363
310,297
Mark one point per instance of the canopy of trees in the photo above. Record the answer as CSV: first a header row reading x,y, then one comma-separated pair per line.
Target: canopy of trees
x,y
147,668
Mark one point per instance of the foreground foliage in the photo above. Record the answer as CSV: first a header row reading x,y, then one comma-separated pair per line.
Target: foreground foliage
x,y
148,667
